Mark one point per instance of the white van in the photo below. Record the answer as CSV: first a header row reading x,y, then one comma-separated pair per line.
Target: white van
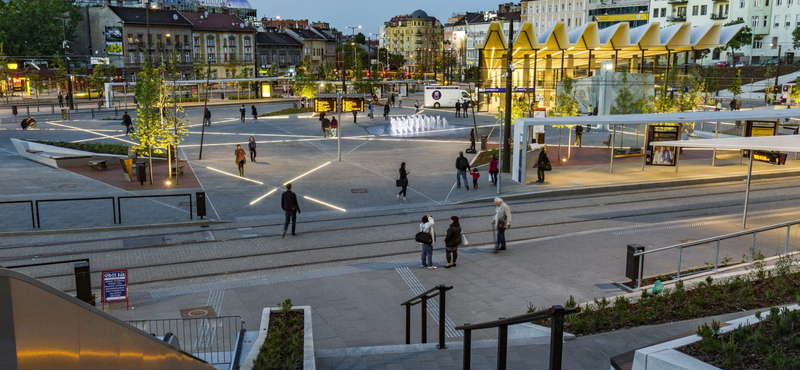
x,y
444,96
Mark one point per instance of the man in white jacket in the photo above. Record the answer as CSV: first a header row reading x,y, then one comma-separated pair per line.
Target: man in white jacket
x,y
502,221
427,249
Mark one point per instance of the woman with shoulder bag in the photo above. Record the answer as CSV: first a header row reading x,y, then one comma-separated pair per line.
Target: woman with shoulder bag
x,y
452,241
402,181
543,164
426,227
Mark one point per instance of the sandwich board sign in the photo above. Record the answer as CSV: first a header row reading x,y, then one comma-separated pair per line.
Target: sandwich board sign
x,y
115,286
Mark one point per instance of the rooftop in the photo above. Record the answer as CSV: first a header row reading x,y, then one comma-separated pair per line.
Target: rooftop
x,y
276,38
151,16
217,22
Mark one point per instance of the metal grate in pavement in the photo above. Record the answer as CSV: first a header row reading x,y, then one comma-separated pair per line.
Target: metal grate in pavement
x,y
703,223
433,305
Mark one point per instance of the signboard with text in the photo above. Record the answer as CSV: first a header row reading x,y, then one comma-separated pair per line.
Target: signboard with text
x,y
324,105
114,286
352,105
659,155
769,157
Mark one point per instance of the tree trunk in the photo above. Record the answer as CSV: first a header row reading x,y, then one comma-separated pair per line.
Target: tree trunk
x,y
150,158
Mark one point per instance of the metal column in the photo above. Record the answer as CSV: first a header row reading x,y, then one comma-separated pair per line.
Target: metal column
x,y
747,190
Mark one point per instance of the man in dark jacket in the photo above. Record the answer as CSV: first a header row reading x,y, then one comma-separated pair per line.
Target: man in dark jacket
x,y
126,120
207,117
462,166
254,111
290,209
579,136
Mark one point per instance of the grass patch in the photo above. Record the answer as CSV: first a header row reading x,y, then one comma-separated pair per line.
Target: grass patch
x,y
99,148
758,289
485,156
283,346
242,97
287,111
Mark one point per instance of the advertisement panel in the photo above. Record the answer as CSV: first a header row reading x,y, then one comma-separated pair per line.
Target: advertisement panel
x,y
661,156
352,105
113,40
324,105
114,286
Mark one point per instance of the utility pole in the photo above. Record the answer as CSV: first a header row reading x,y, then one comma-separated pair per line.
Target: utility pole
x,y
509,96
69,69
205,106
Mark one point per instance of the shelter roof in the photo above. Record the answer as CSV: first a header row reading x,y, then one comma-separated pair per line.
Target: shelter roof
x,y
783,143
682,117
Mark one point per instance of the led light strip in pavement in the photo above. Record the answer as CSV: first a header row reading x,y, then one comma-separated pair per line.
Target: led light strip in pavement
x,y
304,175
91,132
264,196
232,175
324,204
292,180
97,138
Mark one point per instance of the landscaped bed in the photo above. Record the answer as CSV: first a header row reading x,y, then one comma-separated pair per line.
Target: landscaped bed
x,y
283,346
100,148
287,111
758,289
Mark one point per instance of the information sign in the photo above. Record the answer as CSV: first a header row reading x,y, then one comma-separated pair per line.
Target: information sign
x,y
115,286
770,157
324,105
758,129
352,105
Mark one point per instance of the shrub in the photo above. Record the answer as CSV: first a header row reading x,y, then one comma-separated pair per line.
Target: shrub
x,y
287,111
100,148
283,346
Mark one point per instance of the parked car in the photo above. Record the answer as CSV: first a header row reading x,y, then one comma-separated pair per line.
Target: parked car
x,y
771,62
720,64
739,64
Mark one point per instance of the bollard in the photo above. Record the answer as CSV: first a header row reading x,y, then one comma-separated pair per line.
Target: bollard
x,y
92,112
63,114
28,109
52,108
14,110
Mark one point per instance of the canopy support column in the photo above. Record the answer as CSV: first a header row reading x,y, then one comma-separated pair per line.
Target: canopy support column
x,y
677,158
613,138
747,190
714,158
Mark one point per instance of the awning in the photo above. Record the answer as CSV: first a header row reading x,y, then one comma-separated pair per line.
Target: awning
x,y
780,143
682,117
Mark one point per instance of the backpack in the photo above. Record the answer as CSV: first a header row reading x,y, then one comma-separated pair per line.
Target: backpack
x,y
424,238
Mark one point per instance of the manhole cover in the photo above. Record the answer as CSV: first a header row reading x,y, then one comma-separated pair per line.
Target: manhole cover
x,y
186,204
69,186
294,146
358,191
206,311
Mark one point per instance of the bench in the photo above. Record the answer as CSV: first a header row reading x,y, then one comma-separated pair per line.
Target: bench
x,y
98,165
61,156
629,155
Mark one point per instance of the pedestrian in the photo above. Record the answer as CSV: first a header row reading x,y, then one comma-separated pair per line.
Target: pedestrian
x,y
386,111
402,181
462,166
254,112
252,146
391,99
452,241
61,100
241,113
28,122
733,104
427,249
241,159
290,209
594,112
475,177
719,106
579,136
371,112
493,169
472,141
326,127
355,117
458,108
400,100
543,164
590,109
334,127
207,117
465,108
416,106
128,123
502,221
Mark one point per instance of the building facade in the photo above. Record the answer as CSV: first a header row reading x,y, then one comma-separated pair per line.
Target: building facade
x,y
610,12
318,48
543,14
417,37
223,41
277,51
465,32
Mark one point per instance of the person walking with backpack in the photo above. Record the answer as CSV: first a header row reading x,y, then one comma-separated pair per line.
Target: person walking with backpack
x,y
542,164
452,241
501,221
290,208
241,114
126,120
426,238
241,159
402,181
462,166
252,146
254,112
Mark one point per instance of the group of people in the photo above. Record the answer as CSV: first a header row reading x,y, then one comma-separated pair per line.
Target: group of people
x,y
463,106
242,111
329,126
455,237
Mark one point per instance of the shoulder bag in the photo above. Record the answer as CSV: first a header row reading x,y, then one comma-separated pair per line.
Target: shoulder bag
x,y
424,238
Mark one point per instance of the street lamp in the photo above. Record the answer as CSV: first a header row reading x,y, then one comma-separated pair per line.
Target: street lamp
x,y
777,73
65,45
354,56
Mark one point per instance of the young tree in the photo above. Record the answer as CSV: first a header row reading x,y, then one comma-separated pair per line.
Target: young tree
x,y
304,83
735,87
626,102
101,73
174,115
769,74
796,38
5,90
743,38
36,82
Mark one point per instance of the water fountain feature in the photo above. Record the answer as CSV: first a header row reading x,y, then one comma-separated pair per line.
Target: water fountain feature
x,y
415,124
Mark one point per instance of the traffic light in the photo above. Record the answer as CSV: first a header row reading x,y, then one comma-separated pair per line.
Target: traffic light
x,y
368,74
384,73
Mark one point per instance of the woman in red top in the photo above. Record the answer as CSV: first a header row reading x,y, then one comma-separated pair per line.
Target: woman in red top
x,y
334,126
240,159
493,169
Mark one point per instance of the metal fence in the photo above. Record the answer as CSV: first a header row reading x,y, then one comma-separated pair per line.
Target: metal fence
x,y
212,339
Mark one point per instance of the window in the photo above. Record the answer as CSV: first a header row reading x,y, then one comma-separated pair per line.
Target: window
x,y
703,10
130,39
663,12
247,42
694,9
766,2
196,41
774,43
549,8
210,41
141,57
756,3
186,39
715,54
754,22
787,21
797,21
655,14
169,39
777,21
741,4
569,7
778,2
765,22
537,9
757,44
569,21
132,57
562,7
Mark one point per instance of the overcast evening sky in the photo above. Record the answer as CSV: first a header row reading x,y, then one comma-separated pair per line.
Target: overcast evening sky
x,y
370,14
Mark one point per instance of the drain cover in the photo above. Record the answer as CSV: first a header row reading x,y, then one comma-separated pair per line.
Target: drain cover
x,y
358,191
69,186
206,311
294,146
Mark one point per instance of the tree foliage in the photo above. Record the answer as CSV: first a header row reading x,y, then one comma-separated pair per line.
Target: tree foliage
x,y
396,61
4,88
735,87
743,38
566,105
626,102
796,38
31,27
101,73
304,83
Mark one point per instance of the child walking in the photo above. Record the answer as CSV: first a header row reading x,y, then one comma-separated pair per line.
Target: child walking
x,y
475,176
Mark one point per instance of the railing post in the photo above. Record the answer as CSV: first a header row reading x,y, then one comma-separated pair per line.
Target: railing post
x,y
502,346
680,252
786,246
556,337
408,324
716,257
641,272
467,347
424,319
753,248
442,292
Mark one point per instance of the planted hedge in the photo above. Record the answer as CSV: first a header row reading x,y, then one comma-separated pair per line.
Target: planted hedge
x,y
283,346
100,148
287,111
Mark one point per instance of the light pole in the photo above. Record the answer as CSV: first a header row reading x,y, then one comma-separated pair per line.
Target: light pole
x,y
69,69
353,42
777,73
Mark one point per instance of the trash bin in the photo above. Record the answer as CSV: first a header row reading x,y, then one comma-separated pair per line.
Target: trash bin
x,y
200,200
64,114
14,110
484,140
540,138
83,282
141,172
222,95
633,263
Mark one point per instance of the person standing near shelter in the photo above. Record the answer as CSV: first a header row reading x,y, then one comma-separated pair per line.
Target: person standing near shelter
x,y
458,108
252,146
371,112
733,104
241,114
290,208
386,111
493,169
207,117
462,166
241,159
402,181
128,123
471,141
60,100
452,241
542,164
502,221
254,112
426,226
579,136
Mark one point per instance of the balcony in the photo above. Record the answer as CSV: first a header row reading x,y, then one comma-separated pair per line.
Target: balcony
x,y
719,16
678,1
676,18
720,1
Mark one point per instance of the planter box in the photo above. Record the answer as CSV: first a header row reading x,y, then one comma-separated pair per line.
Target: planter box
x,y
309,362
664,356
56,157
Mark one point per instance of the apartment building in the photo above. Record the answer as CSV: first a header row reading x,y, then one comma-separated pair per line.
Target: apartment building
x,y
543,14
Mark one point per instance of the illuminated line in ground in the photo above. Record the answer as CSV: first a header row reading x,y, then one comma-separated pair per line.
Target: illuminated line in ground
x,y
232,175
97,138
260,142
305,174
324,204
264,196
246,134
91,132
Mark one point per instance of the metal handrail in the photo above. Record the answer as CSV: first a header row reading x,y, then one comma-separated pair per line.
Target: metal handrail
x,y
33,213
717,239
213,339
39,224
423,298
119,204
555,314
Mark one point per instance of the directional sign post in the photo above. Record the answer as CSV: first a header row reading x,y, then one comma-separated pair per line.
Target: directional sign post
x,y
115,287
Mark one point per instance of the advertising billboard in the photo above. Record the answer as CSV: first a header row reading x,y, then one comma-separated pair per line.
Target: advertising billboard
x,y
113,40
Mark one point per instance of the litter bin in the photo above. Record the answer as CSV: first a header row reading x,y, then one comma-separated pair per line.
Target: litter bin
x,y
83,282
633,263
484,140
14,110
222,95
200,200
141,172
64,114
